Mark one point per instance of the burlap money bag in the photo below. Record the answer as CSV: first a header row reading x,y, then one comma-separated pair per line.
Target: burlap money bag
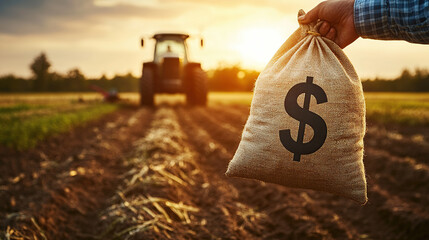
x,y
308,84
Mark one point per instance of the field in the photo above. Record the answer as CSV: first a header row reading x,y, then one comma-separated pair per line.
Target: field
x,y
411,109
158,173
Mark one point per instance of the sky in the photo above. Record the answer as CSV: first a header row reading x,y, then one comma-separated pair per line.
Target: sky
x,y
103,36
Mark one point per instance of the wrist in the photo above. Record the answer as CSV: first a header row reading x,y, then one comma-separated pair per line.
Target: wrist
x,y
370,18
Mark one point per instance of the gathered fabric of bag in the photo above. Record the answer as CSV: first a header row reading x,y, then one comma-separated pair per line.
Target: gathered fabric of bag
x,y
307,120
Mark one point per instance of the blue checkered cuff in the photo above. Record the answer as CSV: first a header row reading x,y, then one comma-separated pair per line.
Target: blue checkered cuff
x,y
371,19
393,19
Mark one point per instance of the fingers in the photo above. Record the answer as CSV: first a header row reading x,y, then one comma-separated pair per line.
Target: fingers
x,y
327,31
331,34
324,28
311,16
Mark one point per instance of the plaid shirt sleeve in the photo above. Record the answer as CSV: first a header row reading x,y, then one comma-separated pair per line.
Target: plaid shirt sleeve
x,y
393,19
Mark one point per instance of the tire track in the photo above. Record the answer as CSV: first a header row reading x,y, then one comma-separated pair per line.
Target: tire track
x,y
408,217
296,221
166,147
412,176
411,145
408,220
194,147
236,115
212,160
403,176
67,195
219,131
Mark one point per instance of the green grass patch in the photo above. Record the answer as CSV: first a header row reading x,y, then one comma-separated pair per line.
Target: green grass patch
x,y
23,131
19,108
411,109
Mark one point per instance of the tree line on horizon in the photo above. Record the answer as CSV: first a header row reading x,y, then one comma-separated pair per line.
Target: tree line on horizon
x,y
44,80
417,81
223,78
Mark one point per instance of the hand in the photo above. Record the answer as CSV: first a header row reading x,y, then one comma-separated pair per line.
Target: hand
x,y
338,24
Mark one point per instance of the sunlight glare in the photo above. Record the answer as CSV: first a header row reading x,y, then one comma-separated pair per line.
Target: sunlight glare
x,y
257,45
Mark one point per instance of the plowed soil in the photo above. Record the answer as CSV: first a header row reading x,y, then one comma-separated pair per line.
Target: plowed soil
x,y
158,173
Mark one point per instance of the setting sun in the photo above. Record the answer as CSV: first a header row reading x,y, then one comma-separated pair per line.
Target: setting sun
x,y
166,119
102,36
257,45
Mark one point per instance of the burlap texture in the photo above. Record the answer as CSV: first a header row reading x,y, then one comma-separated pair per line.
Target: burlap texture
x,y
337,167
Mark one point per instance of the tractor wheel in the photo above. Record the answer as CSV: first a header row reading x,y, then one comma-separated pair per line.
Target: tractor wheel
x,y
147,87
196,93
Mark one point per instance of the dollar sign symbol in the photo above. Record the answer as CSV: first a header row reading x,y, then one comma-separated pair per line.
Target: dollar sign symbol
x,y
304,116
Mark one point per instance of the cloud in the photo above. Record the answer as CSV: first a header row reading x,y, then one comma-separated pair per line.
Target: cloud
x,y
24,17
20,17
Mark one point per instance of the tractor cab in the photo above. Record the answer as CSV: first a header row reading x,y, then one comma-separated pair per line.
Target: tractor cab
x,y
171,72
170,46
170,56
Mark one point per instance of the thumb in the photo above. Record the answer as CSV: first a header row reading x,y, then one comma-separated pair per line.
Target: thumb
x,y
311,16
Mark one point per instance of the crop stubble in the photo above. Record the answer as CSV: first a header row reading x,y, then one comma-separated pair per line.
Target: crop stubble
x,y
174,187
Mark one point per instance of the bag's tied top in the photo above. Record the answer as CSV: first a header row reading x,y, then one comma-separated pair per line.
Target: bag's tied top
x,y
314,33
312,28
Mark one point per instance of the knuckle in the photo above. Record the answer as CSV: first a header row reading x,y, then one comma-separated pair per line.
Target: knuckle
x,y
321,4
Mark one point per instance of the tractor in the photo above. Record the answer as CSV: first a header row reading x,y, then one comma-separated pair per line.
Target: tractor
x,y
172,72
